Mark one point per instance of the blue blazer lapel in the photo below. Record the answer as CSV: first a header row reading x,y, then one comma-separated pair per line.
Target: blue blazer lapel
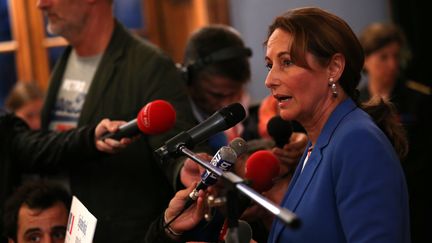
x,y
298,185
302,179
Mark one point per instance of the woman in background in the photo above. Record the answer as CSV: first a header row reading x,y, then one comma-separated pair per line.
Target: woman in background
x,y
385,48
25,100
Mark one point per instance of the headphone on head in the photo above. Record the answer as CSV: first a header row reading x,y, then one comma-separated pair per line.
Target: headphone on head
x,y
217,56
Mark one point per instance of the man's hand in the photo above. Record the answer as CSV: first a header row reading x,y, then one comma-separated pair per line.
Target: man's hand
x,y
191,217
110,145
191,171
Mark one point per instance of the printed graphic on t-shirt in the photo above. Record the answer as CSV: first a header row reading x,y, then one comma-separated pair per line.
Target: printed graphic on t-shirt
x,y
68,105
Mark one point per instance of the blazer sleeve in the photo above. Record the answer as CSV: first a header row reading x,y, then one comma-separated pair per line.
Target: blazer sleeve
x,y
371,193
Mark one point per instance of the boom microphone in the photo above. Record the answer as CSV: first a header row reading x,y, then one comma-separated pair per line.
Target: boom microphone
x,y
221,120
154,118
280,130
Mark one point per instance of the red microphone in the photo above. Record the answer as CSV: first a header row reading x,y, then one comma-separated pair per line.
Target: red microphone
x,y
261,168
154,118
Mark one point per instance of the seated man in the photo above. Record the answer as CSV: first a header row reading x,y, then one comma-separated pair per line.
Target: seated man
x,y
25,151
37,212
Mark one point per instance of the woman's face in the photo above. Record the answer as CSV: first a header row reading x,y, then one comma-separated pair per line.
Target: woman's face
x,y
383,65
301,93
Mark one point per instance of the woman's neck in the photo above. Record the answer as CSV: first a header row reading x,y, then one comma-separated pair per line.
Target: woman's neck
x,y
315,124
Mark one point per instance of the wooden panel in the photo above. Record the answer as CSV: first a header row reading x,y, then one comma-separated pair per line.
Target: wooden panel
x,y
189,16
152,14
218,11
17,11
8,46
30,43
54,42
170,23
39,51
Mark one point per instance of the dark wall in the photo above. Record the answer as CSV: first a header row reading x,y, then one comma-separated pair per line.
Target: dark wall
x,y
414,18
7,60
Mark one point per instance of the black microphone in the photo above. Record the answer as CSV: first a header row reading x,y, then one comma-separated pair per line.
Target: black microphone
x,y
280,130
154,118
224,159
221,120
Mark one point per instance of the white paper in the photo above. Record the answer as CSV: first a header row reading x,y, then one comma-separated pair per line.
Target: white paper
x,y
81,224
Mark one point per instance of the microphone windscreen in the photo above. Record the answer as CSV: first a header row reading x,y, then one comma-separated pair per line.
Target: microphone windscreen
x,y
261,168
239,145
233,114
156,117
243,234
280,130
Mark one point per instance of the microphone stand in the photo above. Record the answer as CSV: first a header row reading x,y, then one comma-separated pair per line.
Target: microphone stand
x,y
286,216
232,212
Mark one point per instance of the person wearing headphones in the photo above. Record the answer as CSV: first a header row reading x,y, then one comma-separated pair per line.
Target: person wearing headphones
x,y
216,69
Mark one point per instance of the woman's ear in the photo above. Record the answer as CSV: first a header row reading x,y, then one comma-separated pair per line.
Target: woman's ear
x,y
336,66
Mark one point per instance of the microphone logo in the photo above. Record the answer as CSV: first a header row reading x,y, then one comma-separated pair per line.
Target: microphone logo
x,y
224,159
156,117
146,120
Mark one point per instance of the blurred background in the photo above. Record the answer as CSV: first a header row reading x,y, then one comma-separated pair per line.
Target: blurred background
x,y
27,52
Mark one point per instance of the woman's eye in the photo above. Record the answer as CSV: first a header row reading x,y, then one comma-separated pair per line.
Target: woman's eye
x,y
269,66
286,63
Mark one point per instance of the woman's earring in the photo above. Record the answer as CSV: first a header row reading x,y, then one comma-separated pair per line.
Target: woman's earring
x,y
332,85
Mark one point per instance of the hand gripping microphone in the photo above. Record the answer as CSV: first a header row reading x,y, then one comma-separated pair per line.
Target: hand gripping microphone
x,y
280,130
221,120
154,118
224,159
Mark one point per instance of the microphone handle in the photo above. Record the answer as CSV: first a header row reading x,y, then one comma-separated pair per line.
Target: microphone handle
x,y
129,129
193,196
200,186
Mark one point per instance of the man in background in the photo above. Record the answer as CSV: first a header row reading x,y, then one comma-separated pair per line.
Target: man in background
x,y
107,72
